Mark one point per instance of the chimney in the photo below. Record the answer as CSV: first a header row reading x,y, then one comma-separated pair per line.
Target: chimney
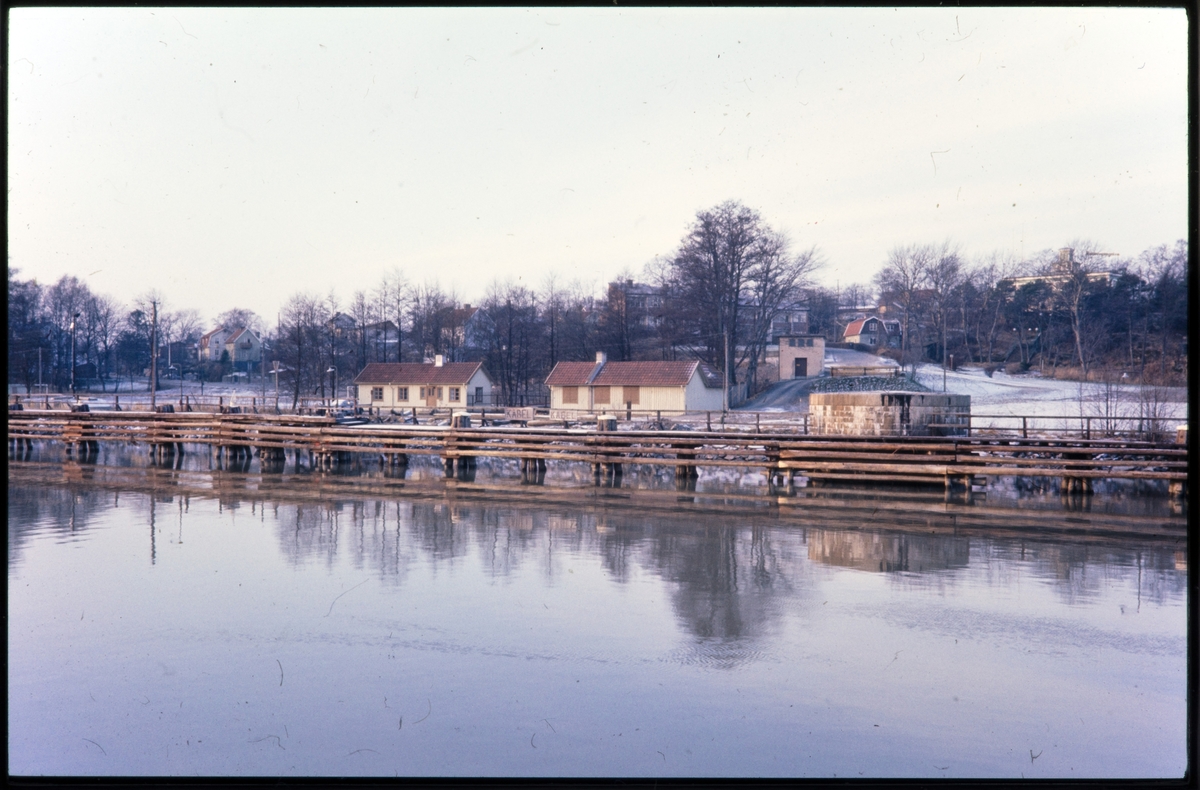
x,y
601,357
439,360
467,306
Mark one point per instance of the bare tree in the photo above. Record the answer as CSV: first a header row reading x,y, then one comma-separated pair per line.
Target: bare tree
x,y
240,317
905,274
726,265
551,298
1076,284
944,276
301,322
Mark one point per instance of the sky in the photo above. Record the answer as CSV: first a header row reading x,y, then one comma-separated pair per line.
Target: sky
x,y
235,157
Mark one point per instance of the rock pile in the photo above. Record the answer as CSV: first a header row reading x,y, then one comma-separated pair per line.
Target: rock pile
x,y
867,384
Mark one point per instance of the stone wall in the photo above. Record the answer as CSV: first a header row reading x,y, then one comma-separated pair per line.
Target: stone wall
x,y
888,413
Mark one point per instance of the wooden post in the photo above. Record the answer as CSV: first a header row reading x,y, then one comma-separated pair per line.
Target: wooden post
x,y
1024,427
708,419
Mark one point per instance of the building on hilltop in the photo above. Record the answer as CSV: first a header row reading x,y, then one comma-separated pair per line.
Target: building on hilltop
x,y
239,346
874,331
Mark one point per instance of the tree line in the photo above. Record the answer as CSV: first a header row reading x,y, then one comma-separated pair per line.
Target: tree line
x,y
1078,310
718,297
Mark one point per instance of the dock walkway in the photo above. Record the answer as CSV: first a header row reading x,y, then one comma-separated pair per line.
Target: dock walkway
x,y
955,461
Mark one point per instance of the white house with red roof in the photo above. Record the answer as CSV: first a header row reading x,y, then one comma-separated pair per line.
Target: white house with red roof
x,y
638,386
440,384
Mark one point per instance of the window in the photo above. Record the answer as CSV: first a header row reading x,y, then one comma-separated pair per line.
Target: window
x,y
439,391
454,394
376,393
479,394
600,395
422,393
632,394
401,393
570,395
791,342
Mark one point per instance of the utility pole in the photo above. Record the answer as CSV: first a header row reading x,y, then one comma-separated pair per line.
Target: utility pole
x,y
725,401
73,320
153,352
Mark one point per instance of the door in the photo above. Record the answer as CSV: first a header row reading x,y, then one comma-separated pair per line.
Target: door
x,y
801,371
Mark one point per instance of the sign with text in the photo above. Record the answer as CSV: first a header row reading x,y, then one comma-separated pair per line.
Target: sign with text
x,y
522,413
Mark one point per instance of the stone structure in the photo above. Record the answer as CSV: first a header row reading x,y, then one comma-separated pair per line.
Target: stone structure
x,y
889,413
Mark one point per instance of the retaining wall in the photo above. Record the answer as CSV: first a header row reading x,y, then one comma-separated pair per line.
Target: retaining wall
x,y
889,413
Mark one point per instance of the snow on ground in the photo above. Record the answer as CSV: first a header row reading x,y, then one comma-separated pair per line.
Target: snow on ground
x,y
1025,394
848,356
1031,395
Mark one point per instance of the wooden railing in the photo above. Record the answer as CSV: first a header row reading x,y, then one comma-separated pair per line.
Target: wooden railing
x,y
953,460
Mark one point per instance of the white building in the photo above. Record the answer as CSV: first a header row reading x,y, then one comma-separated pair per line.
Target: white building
x,y
599,386
404,385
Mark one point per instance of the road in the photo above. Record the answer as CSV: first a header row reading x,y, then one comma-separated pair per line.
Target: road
x,y
792,394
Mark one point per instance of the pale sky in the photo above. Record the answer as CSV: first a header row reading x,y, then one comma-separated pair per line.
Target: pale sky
x,y
233,157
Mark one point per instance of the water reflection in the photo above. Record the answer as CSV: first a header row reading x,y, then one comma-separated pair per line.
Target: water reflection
x,y
874,551
428,624
730,568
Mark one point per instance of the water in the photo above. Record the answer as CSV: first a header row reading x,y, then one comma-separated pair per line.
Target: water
x,y
177,622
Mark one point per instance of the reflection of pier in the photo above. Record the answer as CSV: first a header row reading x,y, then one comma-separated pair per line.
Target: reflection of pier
x,y
913,513
957,463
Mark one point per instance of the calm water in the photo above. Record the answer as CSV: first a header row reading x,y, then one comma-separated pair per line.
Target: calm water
x,y
183,622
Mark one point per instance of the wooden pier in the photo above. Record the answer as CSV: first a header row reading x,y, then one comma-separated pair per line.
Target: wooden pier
x,y
957,462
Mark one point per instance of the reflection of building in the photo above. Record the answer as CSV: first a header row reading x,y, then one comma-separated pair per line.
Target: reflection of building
x,y
873,551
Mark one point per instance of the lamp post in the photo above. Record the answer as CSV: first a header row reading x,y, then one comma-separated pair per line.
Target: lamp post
x,y
332,371
73,320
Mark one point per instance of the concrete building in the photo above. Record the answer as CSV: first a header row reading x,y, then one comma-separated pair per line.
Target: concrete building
x,y
671,387
801,356
405,385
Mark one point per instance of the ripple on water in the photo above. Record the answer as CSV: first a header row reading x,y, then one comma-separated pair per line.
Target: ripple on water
x,y
717,654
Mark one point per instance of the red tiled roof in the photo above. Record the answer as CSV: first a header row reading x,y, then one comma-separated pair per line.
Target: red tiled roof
x,y
570,374
416,373
629,374
236,334
646,374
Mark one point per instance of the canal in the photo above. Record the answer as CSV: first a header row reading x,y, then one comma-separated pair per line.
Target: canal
x,y
229,622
